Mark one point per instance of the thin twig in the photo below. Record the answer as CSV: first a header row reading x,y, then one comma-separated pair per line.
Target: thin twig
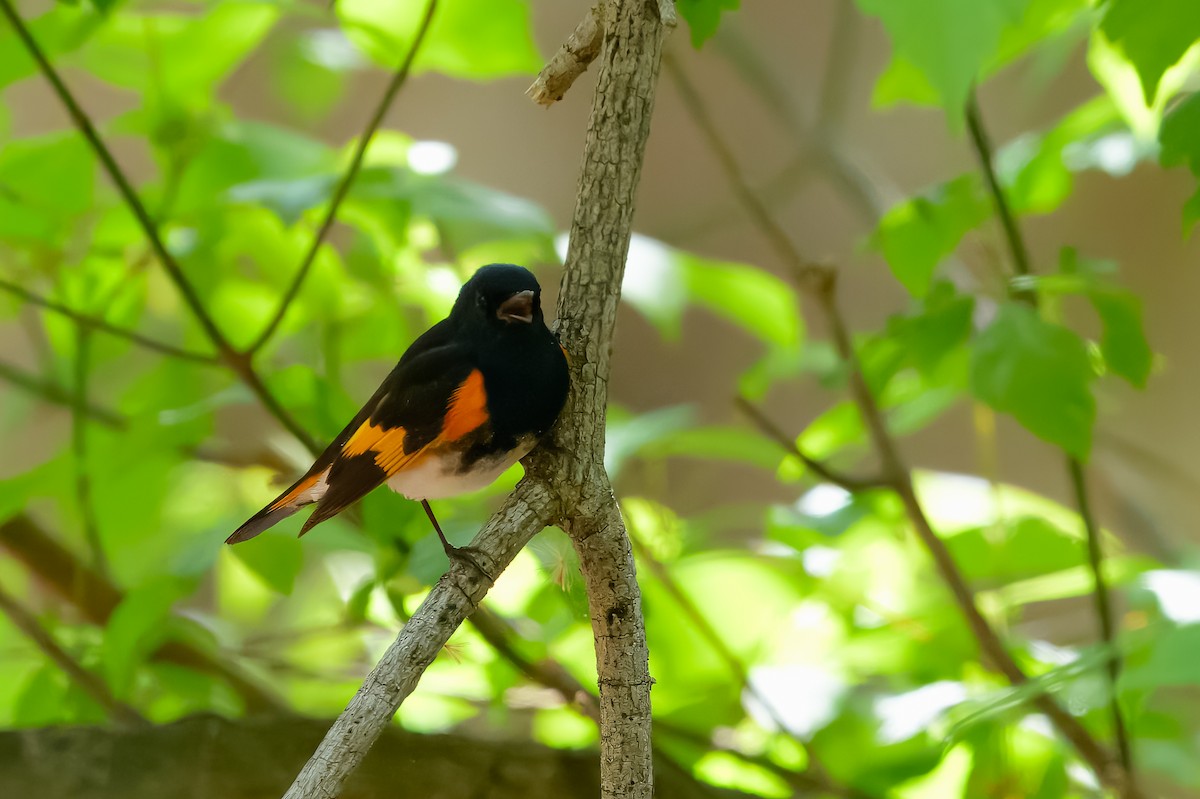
x,y
788,444
399,77
822,283
96,323
776,235
92,685
79,424
1104,614
1019,252
572,60
56,394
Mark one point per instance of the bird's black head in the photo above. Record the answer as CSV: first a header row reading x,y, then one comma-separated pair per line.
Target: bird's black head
x,y
500,296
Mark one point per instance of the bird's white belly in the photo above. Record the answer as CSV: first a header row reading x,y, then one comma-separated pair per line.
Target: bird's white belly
x,y
439,476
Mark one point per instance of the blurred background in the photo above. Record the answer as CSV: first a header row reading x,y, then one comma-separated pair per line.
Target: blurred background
x,y
794,627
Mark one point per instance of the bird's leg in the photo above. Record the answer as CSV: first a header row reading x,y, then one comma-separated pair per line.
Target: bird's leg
x,y
452,552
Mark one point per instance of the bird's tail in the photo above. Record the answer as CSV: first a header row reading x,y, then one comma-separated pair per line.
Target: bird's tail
x,y
305,491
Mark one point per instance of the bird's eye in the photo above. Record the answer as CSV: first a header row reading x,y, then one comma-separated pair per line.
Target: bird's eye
x,y
481,300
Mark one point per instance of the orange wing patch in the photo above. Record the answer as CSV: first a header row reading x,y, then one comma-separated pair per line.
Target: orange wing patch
x,y
468,408
387,444
301,487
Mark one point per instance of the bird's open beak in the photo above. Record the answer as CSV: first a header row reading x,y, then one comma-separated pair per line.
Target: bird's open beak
x,y
517,308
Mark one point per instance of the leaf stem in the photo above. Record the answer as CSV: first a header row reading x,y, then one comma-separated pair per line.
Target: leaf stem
x,y
96,323
1127,783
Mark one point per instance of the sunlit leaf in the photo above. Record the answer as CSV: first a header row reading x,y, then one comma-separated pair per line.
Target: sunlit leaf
x,y
948,41
917,234
477,39
1153,35
703,17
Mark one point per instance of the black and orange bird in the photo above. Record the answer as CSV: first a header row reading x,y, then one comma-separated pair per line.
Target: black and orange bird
x,y
468,399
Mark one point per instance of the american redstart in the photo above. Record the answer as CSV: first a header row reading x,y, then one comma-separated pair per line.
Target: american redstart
x,y
469,398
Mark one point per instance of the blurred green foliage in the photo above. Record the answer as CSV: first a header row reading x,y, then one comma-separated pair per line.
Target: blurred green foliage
x,y
825,634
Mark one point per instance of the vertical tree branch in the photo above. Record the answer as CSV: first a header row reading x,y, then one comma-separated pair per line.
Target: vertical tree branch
x,y
399,78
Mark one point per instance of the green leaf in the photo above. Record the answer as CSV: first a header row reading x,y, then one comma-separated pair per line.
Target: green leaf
x,y
136,628
703,17
1171,661
917,234
1037,170
928,336
277,559
1153,34
62,29
948,41
475,39
660,282
1123,342
727,444
1179,138
1040,373
45,183
754,300
178,58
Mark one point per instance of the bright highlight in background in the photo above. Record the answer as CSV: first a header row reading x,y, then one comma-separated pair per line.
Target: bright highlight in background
x,y
431,157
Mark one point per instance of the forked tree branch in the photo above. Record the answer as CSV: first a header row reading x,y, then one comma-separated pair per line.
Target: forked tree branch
x,y
530,508
399,78
565,482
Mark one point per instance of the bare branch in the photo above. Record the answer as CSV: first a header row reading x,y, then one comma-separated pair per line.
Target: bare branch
x,y
399,78
788,444
572,60
95,323
530,507
95,687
